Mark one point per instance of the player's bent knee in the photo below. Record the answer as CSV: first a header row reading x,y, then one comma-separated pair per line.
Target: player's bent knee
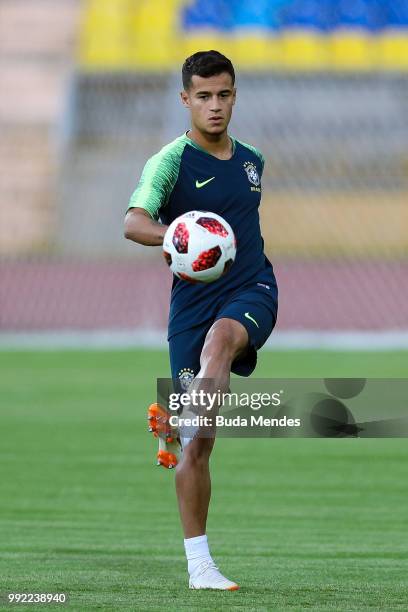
x,y
198,451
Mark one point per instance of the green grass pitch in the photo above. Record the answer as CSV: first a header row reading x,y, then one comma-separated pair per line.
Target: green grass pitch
x,y
300,524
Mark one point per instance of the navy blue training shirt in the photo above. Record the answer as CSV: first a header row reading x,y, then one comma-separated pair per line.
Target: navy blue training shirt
x,y
176,181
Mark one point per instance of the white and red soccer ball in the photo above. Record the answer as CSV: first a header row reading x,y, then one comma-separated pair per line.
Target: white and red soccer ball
x,y
199,246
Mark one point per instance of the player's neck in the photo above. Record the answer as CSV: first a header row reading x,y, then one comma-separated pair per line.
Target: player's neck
x,y
219,145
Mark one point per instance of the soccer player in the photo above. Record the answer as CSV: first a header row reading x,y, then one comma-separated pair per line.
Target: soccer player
x,y
214,329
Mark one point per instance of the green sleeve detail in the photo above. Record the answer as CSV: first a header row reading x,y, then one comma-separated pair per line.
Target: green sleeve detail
x,y
254,150
158,178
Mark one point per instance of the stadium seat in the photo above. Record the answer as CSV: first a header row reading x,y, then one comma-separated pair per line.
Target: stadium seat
x,y
397,14
303,26
311,15
367,15
204,14
262,15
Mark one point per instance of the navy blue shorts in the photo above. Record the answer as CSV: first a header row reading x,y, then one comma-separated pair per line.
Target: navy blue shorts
x,y
255,307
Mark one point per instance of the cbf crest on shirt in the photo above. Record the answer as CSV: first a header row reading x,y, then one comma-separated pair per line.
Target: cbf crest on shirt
x,y
253,175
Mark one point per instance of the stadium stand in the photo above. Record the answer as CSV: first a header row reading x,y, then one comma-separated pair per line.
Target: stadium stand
x,y
263,34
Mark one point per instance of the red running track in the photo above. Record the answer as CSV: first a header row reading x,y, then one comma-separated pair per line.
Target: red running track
x,y
122,295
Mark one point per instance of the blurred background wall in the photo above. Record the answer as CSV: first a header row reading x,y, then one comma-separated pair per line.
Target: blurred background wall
x,y
90,91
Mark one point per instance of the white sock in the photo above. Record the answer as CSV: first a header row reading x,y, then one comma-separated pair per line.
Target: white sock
x,y
196,552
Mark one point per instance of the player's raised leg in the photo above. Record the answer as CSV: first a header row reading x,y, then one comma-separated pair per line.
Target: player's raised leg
x,y
226,340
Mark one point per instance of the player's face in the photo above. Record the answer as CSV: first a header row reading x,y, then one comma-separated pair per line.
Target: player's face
x,y
210,101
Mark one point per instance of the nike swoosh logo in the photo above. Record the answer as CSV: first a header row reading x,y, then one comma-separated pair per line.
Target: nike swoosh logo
x,y
248,316
199,185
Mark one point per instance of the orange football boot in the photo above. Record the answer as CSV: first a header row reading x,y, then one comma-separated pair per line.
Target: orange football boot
x,y
169,452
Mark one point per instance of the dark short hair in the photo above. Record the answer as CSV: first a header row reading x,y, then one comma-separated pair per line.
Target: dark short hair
x,y
206,64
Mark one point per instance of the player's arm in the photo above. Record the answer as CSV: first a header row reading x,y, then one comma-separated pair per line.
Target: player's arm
x,y
151,195
141,228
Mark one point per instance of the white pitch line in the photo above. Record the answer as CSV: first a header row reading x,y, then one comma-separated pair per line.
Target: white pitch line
x,y
149,338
